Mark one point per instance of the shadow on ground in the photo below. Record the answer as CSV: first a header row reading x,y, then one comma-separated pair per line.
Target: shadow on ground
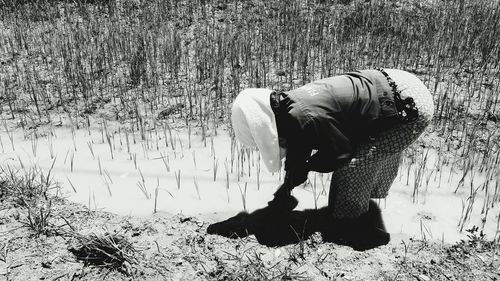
x,y
273,226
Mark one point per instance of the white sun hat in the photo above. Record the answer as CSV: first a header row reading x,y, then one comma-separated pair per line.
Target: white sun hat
x,y
254,125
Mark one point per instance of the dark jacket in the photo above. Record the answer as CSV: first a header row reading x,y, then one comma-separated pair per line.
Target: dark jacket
x,y
330,117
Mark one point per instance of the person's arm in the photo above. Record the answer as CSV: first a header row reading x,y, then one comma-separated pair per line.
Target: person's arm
x,y
326,161
296,168
298,152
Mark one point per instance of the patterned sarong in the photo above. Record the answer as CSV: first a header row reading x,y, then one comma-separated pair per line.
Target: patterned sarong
x,y
375,164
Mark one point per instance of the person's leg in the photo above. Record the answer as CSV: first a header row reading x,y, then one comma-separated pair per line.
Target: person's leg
x,y
373,170
356,221
385,176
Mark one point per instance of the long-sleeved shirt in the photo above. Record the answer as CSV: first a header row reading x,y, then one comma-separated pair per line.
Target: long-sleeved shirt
x,y
331,116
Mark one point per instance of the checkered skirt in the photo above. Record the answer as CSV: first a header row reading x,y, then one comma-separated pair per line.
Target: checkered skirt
x,y
374,166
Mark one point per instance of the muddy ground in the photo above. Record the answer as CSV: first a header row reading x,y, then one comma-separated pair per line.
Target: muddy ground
x,y
175,247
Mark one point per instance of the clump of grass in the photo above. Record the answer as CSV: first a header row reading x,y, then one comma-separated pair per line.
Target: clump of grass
x,y
26,187
476,241
30,189
39,218
104,249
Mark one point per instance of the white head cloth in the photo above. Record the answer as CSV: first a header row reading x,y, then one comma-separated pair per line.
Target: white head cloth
x,y
254,125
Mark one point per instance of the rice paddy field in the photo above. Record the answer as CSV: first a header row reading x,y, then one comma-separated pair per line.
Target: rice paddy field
x,y
116,147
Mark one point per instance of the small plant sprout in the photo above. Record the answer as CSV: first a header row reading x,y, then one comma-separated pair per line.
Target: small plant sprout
x,y
99,165
189,136
51,145
94,200
20,162
127,141
110,145
258,171
9,134
133,134
212,147
145,151
48,179
315,192
106,173
73,132
215,167
165,134
238,166
233,152
156,194
106,183
142,185
243,193
178,179
71,184
241,163
66,156
89,144
102,132
323,183
34,143
419,174
72,160
157,138
497,233
467,207
166,161
249,162
172,140
1,144
120,136
182,146
89,201
227,178
424,231
196,187
468,167
194,159
88,126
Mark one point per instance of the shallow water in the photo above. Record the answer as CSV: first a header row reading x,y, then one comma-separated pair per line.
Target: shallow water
x,y
113,181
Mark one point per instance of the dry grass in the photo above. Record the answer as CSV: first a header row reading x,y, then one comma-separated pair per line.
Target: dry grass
x,y
26,187
33,190
104,249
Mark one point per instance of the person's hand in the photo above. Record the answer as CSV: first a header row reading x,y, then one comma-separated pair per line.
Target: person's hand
x,y
283,200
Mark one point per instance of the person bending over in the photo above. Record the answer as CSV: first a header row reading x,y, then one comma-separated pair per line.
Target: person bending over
x,y
355,125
